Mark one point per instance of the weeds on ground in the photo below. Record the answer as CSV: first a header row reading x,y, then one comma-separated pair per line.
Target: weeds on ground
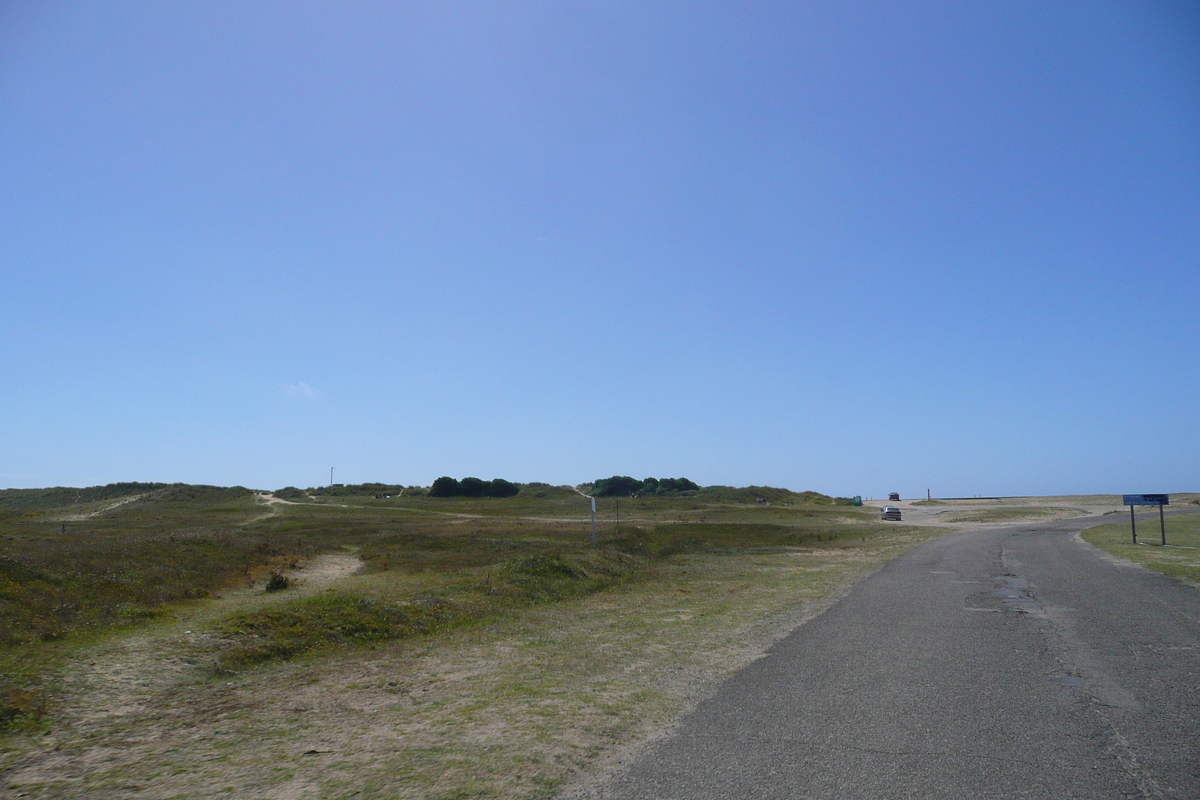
x,y
96,565
117,556
323,621
336,620
474,576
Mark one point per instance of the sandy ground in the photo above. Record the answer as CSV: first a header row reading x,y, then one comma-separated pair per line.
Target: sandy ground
x,y
131,678
949,513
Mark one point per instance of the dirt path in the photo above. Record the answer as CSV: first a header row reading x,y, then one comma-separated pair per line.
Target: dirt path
x,y
128,681
115,504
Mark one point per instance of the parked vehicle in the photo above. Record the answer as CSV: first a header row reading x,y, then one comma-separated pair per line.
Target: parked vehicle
x,y
890,512
894,497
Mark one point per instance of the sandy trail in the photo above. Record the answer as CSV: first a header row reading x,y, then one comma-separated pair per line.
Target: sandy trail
x,y
120,683
115,504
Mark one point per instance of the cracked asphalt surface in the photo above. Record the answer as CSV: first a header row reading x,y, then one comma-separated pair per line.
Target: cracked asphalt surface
x,y
1013,662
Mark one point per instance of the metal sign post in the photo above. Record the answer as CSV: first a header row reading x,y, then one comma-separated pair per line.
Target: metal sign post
x,y
1159,500
593,522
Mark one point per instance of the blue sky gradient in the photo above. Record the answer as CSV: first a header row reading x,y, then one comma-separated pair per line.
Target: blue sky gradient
x,y
849,247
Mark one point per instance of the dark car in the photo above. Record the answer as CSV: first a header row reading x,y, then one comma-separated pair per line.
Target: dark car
x,y
894,497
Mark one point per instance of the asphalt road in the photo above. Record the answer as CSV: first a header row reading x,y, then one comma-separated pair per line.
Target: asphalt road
x,y
1004,663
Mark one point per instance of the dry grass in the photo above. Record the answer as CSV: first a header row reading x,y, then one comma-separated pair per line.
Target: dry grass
x,y
1009,514
520,707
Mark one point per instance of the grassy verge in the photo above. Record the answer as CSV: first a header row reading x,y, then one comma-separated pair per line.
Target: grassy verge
x,y
1180,561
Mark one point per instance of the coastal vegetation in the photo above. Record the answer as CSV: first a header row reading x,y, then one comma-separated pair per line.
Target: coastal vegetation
x,y
168,598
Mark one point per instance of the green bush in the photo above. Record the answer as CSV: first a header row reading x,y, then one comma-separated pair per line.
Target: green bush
x,y
278,583
623,486
445,486
502,488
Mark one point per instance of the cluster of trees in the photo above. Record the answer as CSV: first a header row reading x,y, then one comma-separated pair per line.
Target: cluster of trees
x,y
473,487
623,486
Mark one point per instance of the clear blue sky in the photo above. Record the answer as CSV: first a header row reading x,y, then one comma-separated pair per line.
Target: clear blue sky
x,y
842,246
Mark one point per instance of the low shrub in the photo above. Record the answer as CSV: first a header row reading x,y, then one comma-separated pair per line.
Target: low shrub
x,y
325,621
278,582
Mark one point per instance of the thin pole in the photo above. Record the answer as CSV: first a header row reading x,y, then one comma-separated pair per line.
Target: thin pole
x,y
331,477
1162,524
618,516
593,522
1133,524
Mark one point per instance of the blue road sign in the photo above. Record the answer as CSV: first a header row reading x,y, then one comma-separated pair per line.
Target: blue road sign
x,y
1147,500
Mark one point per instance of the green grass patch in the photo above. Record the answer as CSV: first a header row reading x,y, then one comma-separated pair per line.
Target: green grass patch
x,y
52,586
337,620
1179,561
324,621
